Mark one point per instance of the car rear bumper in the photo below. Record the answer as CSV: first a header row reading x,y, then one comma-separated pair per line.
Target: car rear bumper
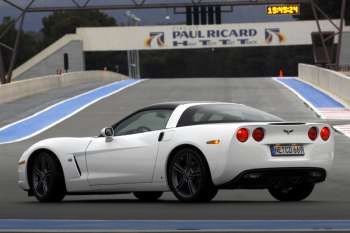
x,y
239,158
272,177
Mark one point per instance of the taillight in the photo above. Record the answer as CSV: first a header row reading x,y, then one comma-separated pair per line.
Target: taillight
x,y
258,134
312,133
242,135
325,133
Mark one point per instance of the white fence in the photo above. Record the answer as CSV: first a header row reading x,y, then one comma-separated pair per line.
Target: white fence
x,y
331,81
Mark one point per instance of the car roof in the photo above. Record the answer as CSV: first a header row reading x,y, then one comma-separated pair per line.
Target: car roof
x,y
175,104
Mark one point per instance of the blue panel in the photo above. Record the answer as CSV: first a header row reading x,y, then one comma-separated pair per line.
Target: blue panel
x,y
311,94
41,225
53,115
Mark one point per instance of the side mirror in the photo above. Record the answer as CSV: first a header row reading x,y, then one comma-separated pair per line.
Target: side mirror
x,y
108,133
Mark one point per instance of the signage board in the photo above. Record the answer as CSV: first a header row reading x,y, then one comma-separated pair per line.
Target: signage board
x,y
200,36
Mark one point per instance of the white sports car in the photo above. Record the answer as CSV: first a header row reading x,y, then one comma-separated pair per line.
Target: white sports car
x,y
190,148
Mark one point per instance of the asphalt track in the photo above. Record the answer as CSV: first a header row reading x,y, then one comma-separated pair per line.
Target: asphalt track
x,y
330,200
17,110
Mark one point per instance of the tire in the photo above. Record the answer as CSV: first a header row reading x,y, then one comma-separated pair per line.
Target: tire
x,y
189,177
292,193
46,178
148,196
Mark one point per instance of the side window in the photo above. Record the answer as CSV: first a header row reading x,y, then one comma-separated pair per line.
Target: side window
x,y
149,120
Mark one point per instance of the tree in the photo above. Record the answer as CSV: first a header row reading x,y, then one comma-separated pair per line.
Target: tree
x,y
27,48
55,26
60,23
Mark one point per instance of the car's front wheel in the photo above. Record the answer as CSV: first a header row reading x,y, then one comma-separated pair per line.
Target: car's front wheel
x,y
292,193
189,177
46,178
148,196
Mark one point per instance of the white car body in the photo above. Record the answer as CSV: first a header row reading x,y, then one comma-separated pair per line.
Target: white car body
x,y
138,162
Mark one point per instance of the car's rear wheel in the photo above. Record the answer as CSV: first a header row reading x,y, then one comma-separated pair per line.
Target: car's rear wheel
x,y
292,193
189,177
148,196
46,178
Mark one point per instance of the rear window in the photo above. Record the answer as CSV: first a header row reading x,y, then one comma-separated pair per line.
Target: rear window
x,y
224,113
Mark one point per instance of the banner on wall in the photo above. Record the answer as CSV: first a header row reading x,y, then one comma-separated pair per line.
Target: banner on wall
x,y
200,36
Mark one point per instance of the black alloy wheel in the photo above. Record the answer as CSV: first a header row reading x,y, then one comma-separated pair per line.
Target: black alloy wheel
x,y
189,177
46,178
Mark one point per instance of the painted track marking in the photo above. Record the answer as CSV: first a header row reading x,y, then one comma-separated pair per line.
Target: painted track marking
x,y
53,115
173,225
320,102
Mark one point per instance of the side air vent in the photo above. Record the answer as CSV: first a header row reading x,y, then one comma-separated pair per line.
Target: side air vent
x,y
77,165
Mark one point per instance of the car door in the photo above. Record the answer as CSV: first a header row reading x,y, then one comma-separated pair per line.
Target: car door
x,y
130,157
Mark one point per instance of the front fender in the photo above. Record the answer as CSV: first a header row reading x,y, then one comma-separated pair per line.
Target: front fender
x,y
64,149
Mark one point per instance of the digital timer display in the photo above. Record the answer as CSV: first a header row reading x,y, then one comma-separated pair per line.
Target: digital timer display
x,y
293,9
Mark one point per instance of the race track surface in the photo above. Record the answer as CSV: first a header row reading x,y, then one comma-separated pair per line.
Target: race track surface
x,y
330,200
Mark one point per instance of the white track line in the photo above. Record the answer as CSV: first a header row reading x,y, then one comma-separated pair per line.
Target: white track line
x,y
68,116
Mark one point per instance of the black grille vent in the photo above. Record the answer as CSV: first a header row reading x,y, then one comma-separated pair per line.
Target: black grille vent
x,y
287,123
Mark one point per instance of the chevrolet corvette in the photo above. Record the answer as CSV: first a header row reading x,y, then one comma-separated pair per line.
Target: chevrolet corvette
x,y
192,149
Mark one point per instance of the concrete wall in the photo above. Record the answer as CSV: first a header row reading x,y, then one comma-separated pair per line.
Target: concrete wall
x,y
16,90
50,59
336,83
345,49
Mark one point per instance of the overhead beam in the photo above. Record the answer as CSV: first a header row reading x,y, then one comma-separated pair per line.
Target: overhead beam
x,y
14,5
145,5
6,46
10,24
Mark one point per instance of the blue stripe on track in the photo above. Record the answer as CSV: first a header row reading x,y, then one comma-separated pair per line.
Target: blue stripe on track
x,y
311,94
259,225
49,117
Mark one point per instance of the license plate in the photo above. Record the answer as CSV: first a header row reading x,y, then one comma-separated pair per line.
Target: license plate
x,y
287,150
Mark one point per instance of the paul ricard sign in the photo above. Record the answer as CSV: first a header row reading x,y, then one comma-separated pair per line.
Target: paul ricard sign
x,y
201,36
183,37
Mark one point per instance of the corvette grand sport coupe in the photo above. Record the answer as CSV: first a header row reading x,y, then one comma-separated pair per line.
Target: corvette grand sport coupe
x,y
192,149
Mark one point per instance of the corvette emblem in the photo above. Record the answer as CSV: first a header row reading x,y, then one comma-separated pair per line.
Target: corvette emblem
x,y
288,131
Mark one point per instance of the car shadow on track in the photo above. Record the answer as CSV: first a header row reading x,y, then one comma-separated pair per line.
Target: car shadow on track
x,y
135,201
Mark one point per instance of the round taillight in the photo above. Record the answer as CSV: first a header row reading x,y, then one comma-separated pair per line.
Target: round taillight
x,y
312,133
242,135
325,133
258,134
